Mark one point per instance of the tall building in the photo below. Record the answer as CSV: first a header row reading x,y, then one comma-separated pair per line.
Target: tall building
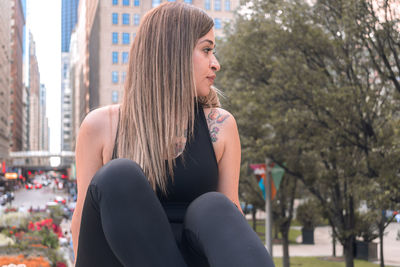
x,y
17,87
69,17
5,77
44,128
110,28
69,14
25,116
25,90
38,122
34,97
66,103
77,73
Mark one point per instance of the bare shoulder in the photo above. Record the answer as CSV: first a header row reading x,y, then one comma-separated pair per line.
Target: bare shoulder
x,y
100,126
222,126
219,119
98,117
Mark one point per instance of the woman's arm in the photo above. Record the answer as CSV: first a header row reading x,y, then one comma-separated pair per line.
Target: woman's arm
x,y
227,147
88,158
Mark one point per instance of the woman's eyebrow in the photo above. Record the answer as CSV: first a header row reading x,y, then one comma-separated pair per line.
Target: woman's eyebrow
x,y
207,40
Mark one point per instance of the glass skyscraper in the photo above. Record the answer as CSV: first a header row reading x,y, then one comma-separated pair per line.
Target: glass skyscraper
x,y
69,16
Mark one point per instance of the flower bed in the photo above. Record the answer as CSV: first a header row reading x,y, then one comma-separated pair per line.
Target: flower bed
x,y
35,235
22,260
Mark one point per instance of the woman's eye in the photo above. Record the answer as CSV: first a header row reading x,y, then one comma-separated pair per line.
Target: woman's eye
x,y
208,50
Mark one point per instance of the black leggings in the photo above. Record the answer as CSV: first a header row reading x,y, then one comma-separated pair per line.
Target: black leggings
x,y
124,224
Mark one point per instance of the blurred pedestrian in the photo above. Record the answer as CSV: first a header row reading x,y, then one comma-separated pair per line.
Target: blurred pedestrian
x,y
165,163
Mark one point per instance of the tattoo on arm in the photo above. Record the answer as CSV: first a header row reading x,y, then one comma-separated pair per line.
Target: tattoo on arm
x,y
214,121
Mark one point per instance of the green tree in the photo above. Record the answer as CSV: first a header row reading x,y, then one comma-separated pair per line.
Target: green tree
x,y
308,88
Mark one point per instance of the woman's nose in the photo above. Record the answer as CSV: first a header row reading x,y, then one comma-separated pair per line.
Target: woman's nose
x,y
215,64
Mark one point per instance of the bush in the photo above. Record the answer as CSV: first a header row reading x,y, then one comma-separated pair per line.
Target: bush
x,y
366,229
55,258
309,214
14,219
5,240
49,238
56,213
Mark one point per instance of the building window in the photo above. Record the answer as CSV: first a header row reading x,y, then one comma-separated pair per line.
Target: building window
x,y
123,76
136,19
136,2
155,3
115,38
188,1
126,19
217,5
125,2
125,57
115,57
115,96
227,5
207,4
126,38
115,2
217,24
65,70
115,18
115,76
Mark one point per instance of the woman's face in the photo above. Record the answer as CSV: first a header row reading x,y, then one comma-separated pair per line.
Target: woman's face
x,y
205,63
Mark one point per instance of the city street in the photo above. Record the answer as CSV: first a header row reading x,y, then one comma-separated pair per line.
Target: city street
x,y
35,198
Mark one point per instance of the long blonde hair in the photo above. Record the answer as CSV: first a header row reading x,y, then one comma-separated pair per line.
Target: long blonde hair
x,y
160,95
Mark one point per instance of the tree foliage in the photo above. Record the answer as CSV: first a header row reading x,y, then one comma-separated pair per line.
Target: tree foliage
x,y
317,87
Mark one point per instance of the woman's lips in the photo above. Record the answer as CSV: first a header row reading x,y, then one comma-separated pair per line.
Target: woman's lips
x,y
211,79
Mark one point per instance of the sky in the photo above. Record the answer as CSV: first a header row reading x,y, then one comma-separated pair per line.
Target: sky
x,y
44,21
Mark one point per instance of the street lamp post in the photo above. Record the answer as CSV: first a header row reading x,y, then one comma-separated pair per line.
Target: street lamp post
x,y
268,208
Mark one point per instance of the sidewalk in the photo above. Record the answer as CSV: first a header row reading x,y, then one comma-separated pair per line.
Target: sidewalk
x,y
323,246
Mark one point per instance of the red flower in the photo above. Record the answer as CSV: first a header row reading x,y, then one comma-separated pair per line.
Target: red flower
x,y
31,226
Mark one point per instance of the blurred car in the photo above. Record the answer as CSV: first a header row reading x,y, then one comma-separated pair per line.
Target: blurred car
x,y
60,200
38,185
29,186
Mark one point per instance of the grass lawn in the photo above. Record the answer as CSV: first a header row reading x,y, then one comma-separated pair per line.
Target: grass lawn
x,y
260,229
317,261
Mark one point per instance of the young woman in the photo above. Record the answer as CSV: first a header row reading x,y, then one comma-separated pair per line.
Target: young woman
x,y
158,175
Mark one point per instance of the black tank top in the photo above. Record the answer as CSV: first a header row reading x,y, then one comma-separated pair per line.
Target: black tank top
x,y
195,175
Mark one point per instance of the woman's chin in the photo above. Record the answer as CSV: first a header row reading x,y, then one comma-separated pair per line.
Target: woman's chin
x,y
204,92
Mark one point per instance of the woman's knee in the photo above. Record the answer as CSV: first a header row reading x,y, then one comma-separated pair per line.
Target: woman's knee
x,y
119,173
209,206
